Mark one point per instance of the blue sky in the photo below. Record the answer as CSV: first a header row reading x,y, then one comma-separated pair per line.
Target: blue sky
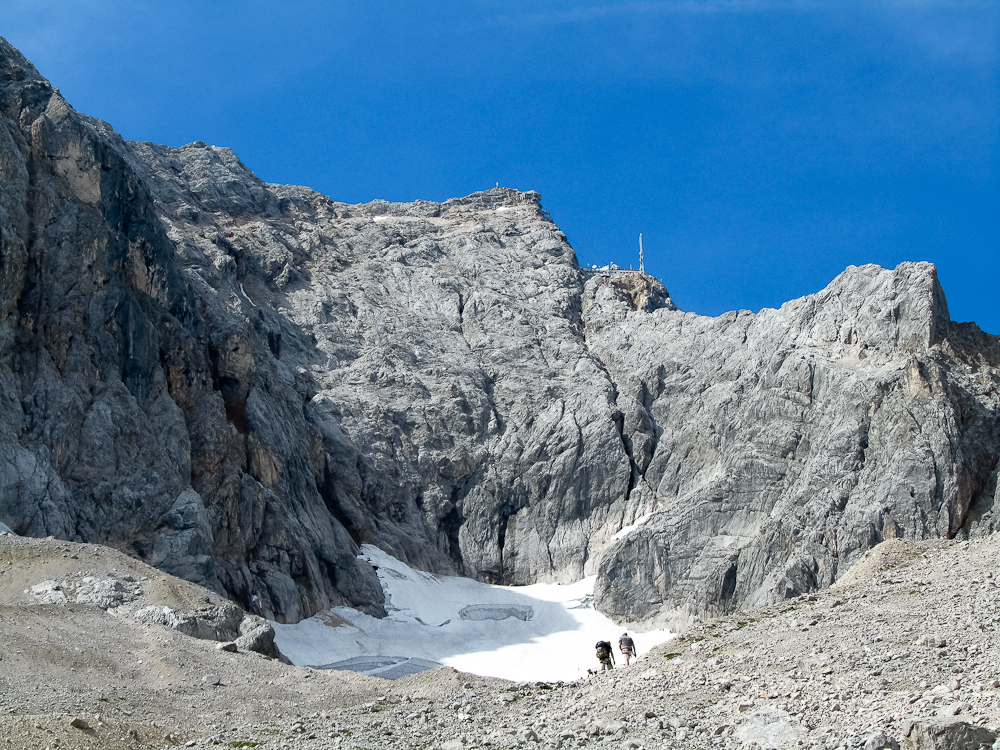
x,y
760,146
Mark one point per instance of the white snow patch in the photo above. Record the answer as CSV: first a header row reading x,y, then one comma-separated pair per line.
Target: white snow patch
x,y
629,529
244,292
5,529
539,632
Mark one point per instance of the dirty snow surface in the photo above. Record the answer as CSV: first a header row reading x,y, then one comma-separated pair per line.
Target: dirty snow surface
x,y
540,632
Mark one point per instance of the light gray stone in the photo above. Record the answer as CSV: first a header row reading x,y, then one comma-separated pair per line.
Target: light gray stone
x,y
948,734
527,734
881,741
770,728
613,727
257,634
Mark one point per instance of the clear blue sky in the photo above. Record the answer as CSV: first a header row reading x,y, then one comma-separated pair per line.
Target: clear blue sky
x,y
759,146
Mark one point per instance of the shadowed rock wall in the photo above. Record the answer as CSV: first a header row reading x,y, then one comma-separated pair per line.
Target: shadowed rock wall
x,y
126,408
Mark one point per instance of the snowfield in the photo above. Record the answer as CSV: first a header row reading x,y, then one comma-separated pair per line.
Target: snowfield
x,y
540,632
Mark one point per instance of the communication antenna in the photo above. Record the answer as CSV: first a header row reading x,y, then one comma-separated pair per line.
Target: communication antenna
x,y
642,265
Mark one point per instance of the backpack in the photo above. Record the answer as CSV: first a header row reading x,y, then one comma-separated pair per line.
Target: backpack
x,y
603,650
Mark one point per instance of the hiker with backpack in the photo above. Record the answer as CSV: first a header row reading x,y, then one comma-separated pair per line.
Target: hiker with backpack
x,y
627,646
605,656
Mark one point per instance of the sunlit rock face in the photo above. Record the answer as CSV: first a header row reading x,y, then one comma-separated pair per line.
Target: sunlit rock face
x,y
780,446
241,383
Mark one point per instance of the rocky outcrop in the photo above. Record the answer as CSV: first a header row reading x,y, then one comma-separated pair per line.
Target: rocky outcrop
x,y
240,383
780,446
948,734
60,574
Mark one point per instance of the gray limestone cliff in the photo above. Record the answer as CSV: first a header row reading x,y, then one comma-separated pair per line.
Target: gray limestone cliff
x,y
240,383
122,417
781,446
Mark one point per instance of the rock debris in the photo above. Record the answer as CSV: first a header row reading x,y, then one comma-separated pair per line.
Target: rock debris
x,y
901,651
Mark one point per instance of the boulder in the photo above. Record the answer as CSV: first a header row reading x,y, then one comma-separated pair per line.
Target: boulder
x,y
947,734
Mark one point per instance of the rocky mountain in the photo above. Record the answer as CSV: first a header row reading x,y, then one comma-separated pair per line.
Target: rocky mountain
x,y
240,382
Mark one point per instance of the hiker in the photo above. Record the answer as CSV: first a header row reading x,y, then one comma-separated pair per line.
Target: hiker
x,y
627,646
605,656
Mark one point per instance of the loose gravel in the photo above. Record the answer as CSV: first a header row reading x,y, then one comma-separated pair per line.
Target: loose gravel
x,y
908,635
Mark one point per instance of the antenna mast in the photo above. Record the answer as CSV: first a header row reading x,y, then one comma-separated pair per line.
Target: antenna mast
x,y
642,265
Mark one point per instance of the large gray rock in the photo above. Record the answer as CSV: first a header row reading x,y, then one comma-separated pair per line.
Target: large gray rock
x,y
948,734
241,382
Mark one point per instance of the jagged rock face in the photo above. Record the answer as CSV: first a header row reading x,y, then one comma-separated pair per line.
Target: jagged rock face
x,y
241,382
121,393
463,424
781,446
